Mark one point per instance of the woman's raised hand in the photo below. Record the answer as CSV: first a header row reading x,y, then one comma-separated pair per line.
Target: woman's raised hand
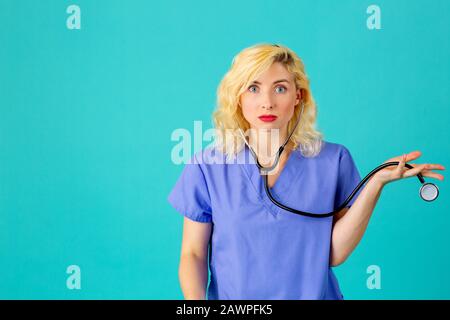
x,y
398,172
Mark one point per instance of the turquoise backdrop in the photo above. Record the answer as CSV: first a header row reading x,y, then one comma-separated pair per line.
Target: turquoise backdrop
x,y
86,118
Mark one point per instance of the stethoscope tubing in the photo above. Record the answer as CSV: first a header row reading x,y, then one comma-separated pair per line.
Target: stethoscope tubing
x,y
349,198
265,170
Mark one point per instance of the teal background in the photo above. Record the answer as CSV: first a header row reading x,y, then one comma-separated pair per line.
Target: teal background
x,y
86,118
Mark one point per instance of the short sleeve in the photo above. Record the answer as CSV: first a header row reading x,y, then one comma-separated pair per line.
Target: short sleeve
x,y
190,195
348,179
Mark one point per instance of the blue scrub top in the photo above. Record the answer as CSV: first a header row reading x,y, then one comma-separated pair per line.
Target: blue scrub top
x,y
258,250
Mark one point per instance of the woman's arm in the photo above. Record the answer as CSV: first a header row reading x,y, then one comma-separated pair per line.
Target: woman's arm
x,y
349,226
193,269
351,223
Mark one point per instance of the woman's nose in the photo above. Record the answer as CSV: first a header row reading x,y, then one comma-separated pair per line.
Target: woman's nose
x,y
267,101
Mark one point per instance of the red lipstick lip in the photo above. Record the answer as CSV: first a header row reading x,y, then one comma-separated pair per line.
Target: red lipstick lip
x,y
268,117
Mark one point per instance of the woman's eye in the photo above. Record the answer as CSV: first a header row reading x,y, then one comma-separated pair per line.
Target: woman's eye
x,y
249,88
284,89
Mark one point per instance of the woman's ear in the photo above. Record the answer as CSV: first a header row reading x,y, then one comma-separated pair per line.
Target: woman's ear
x,y
299,96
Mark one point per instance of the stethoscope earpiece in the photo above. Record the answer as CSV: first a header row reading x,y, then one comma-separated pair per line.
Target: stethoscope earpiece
x,y
429,191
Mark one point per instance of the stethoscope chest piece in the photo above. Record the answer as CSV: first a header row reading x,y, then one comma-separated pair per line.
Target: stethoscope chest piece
x,y
429,191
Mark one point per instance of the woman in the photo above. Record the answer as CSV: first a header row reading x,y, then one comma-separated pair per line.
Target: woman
x,y
257,250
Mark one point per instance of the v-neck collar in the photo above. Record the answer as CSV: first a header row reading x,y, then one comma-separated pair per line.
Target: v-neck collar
x,y
282,187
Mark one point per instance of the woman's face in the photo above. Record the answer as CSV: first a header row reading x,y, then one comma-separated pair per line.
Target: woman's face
x,y
273,93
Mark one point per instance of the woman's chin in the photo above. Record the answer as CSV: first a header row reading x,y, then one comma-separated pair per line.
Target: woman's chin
x,y
268,126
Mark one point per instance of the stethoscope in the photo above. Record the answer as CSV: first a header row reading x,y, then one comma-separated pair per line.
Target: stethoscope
x,y
428,191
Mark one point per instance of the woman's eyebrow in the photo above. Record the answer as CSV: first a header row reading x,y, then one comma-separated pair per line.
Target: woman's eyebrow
x,y
277,81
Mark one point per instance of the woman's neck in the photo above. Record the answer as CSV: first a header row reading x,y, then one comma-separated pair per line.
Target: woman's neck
x,y
266,144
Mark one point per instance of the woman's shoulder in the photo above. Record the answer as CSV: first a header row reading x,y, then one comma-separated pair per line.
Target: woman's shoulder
x,y
331,150
208,156
334,147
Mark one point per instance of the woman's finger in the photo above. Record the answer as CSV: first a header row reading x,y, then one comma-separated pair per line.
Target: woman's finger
x,y
401,165
413,155
433,166
430,174
429,166
409,156
415,171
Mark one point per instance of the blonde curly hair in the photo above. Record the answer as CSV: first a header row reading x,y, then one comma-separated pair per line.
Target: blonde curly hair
x,y
247,66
